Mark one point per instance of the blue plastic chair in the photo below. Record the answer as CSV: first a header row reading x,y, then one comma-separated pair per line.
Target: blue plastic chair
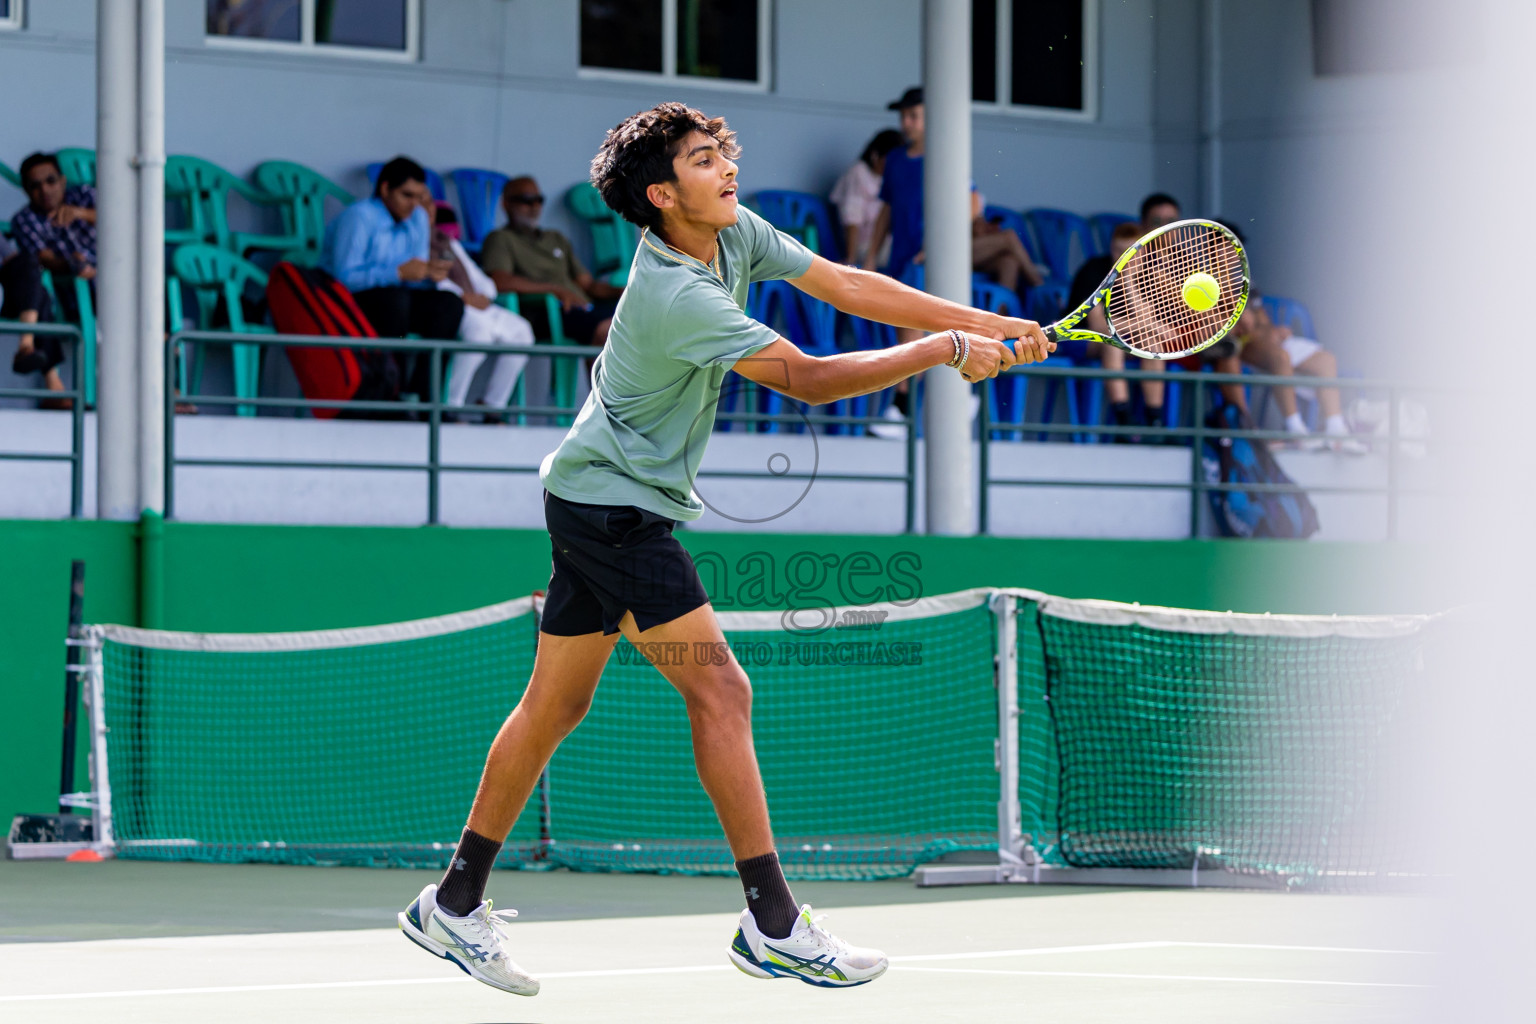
x,y
1043,302
1014,221
806,216
1295,315
1064,238
434,181
1103,226
811,326
1008,389
479,198
1290,313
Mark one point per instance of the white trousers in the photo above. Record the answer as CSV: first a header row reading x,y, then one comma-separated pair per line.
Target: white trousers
x,y
492,325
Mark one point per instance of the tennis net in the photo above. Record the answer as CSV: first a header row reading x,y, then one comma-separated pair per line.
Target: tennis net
x,y
1119,737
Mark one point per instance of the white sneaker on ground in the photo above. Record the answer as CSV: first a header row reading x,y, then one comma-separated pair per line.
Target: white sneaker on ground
x,y
472,942
810,954
894,428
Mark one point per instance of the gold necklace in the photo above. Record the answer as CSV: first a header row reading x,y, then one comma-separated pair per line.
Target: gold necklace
x,y
714,259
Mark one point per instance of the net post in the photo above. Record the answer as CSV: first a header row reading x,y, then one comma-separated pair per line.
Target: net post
x,y
1197,451
101,787
72,670
434,433
1013,859
984,460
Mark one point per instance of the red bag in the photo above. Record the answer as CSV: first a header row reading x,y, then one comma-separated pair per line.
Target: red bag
x,y
305,300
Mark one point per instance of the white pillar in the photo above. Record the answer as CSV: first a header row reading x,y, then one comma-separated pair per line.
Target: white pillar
x,y
951,490
151,235
1210,109
117,258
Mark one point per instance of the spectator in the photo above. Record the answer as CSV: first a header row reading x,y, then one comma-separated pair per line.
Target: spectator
x,y
376,248
484,322
57,227
25,299
1158,209
994,251
1087,279
1272,349
523,258
857,198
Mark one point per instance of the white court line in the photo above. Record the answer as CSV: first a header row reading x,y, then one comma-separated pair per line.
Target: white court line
x,y
1107,947
1114,946
1165,977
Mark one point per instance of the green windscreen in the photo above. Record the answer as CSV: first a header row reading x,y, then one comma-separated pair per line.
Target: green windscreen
x,y
352,755
876,748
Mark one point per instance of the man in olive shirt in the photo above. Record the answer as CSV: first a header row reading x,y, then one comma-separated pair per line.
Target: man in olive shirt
x,y
622,479
523,257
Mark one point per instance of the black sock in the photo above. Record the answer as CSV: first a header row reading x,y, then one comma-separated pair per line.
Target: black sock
x,y
1120,413
463,884
1154,415
768,896
902,400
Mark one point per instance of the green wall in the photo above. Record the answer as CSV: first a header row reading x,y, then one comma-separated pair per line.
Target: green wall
x,y
265,578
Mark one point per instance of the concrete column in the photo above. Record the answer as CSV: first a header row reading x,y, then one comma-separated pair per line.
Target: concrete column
x,y
951,491
1210,109
151,236
117,249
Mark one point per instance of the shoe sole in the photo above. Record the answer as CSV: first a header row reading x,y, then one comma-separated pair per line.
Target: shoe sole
x,y
758,969
437,949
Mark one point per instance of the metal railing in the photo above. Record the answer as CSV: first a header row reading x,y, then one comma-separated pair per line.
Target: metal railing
x,y
1198,432
431,413
75,393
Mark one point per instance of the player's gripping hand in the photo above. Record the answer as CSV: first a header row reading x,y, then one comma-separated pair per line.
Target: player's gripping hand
x,y
1032,346
988,357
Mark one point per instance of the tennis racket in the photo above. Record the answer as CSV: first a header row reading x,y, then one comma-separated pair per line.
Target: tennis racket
x,y
1143,296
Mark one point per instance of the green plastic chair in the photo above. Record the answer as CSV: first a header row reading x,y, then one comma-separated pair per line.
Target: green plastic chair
x,y
562,376
300,194
11,176
202,188
78,165
213,274
614,239
87,307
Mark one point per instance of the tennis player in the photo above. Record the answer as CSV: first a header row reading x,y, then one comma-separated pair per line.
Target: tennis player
x,y
623,478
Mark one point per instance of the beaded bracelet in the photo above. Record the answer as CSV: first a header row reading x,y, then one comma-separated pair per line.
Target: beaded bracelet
x,y
962,349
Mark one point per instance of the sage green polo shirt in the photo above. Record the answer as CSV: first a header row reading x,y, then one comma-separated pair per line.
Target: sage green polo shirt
x,y
539,255
679,329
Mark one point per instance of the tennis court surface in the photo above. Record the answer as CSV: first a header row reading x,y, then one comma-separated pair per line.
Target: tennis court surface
x,y
143,941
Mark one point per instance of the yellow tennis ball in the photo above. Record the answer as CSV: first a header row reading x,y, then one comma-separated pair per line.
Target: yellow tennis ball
x,y
1201,292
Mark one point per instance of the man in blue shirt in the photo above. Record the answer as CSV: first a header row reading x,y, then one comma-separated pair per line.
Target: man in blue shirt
x,y
377,248
993,251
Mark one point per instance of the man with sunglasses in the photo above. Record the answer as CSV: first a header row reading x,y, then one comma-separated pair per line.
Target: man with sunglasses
x,y
524,258
57,227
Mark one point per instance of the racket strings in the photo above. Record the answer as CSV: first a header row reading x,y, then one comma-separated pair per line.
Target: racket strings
x,y
1146,307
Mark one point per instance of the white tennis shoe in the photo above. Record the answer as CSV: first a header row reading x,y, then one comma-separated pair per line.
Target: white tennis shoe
x,y
472,942
810,953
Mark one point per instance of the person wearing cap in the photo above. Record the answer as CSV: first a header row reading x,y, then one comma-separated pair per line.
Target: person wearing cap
x,y
997,253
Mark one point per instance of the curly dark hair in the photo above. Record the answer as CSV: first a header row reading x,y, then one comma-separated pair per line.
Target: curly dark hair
x,y
638,153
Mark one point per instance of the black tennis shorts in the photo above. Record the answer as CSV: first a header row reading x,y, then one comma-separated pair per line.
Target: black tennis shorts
x,y
612,559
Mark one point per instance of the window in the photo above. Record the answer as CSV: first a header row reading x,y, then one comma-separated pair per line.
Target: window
x,y
1037,56
724,41
10,14
368,28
